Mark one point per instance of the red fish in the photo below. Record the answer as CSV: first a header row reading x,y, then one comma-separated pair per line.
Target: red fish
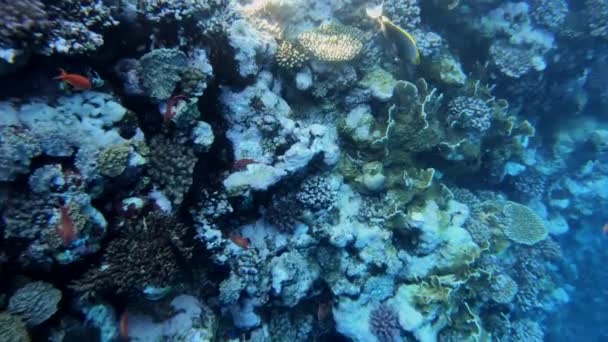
x,y
65,228
242,242
124,326
79,82
323,310
241,164
605,229
169,113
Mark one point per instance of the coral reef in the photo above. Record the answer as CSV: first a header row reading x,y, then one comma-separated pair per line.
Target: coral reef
x,y
271,170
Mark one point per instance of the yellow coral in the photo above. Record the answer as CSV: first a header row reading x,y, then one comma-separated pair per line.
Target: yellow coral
x,y
333,42
290,57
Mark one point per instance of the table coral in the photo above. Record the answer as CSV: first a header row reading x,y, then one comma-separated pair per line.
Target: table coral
x,y
522,225
332,42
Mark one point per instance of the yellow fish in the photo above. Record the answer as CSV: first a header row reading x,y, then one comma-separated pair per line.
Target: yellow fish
x,y
404,43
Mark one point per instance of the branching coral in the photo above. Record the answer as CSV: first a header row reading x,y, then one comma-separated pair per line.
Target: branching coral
x,y
289,56
405,13
384,324
526,330
549,13
469,113
147,254
514,61
17,148
76,26
35,302
332,42
316,193
171,166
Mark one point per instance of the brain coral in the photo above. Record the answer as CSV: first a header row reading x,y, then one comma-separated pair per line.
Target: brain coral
x,y
523,225
35,302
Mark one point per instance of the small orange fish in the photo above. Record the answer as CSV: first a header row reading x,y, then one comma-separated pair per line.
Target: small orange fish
x,y
605,229
241,164
242,242
79,82
124,326
169,113
323,310
65,228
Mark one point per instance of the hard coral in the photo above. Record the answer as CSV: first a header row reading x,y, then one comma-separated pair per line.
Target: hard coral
x,y
332,42
597,14
503,288
17,148
405,13
21,19
76,26
316,193
147,254
549,13
469,113
522,225
12,329
35,302
384,324
171,166
289,56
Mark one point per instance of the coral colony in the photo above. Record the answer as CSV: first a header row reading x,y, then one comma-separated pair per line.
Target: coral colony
x,y
303,170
